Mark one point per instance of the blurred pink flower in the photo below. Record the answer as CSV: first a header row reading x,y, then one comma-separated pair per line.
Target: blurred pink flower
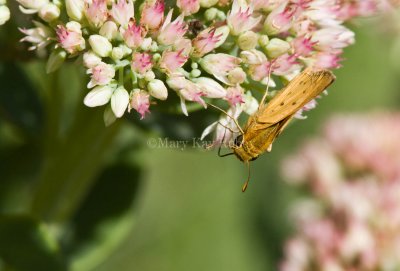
x,y
353,175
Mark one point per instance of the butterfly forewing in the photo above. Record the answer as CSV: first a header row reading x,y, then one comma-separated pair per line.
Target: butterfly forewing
x,y
301,90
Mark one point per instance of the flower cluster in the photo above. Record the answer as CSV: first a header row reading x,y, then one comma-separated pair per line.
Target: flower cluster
x,y
138,51
4,12
352,220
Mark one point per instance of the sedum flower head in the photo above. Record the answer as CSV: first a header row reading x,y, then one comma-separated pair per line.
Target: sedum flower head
x,y
200,50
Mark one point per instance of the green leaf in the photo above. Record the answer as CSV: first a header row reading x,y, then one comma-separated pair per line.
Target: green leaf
x,y
107,209
27,244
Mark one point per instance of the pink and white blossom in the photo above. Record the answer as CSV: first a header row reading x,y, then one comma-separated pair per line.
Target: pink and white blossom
x,y
140,101
333,38
38,36
187,90
102,74
171,61
70,38
134,35
234,95
153,14
220,65
205,42
210,87
240,17
141,62
122,12
170,32
188,7
280,19
97,12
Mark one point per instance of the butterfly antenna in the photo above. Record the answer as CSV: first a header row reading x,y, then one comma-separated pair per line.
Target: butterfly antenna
x,y
246,184
266,91
232,118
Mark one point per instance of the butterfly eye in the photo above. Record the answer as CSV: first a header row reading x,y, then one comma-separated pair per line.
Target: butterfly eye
x,y
238,141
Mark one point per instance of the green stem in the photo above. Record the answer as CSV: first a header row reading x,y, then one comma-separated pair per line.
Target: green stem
x,y
69,173
121,76
72,158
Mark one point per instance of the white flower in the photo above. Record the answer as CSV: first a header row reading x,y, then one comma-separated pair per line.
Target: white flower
x,y
31,6
4,14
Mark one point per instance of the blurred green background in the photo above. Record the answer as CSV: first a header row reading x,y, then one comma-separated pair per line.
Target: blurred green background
x,y
75,195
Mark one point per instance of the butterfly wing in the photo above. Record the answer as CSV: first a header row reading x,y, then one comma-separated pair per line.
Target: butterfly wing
x,y
301,90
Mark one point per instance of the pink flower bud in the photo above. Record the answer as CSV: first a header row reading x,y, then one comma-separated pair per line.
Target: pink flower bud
x,y
102,74
134,35
141,62
171,61
122,12
70,38
170,32
205,42
153,14
97,12
140,102
188,6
